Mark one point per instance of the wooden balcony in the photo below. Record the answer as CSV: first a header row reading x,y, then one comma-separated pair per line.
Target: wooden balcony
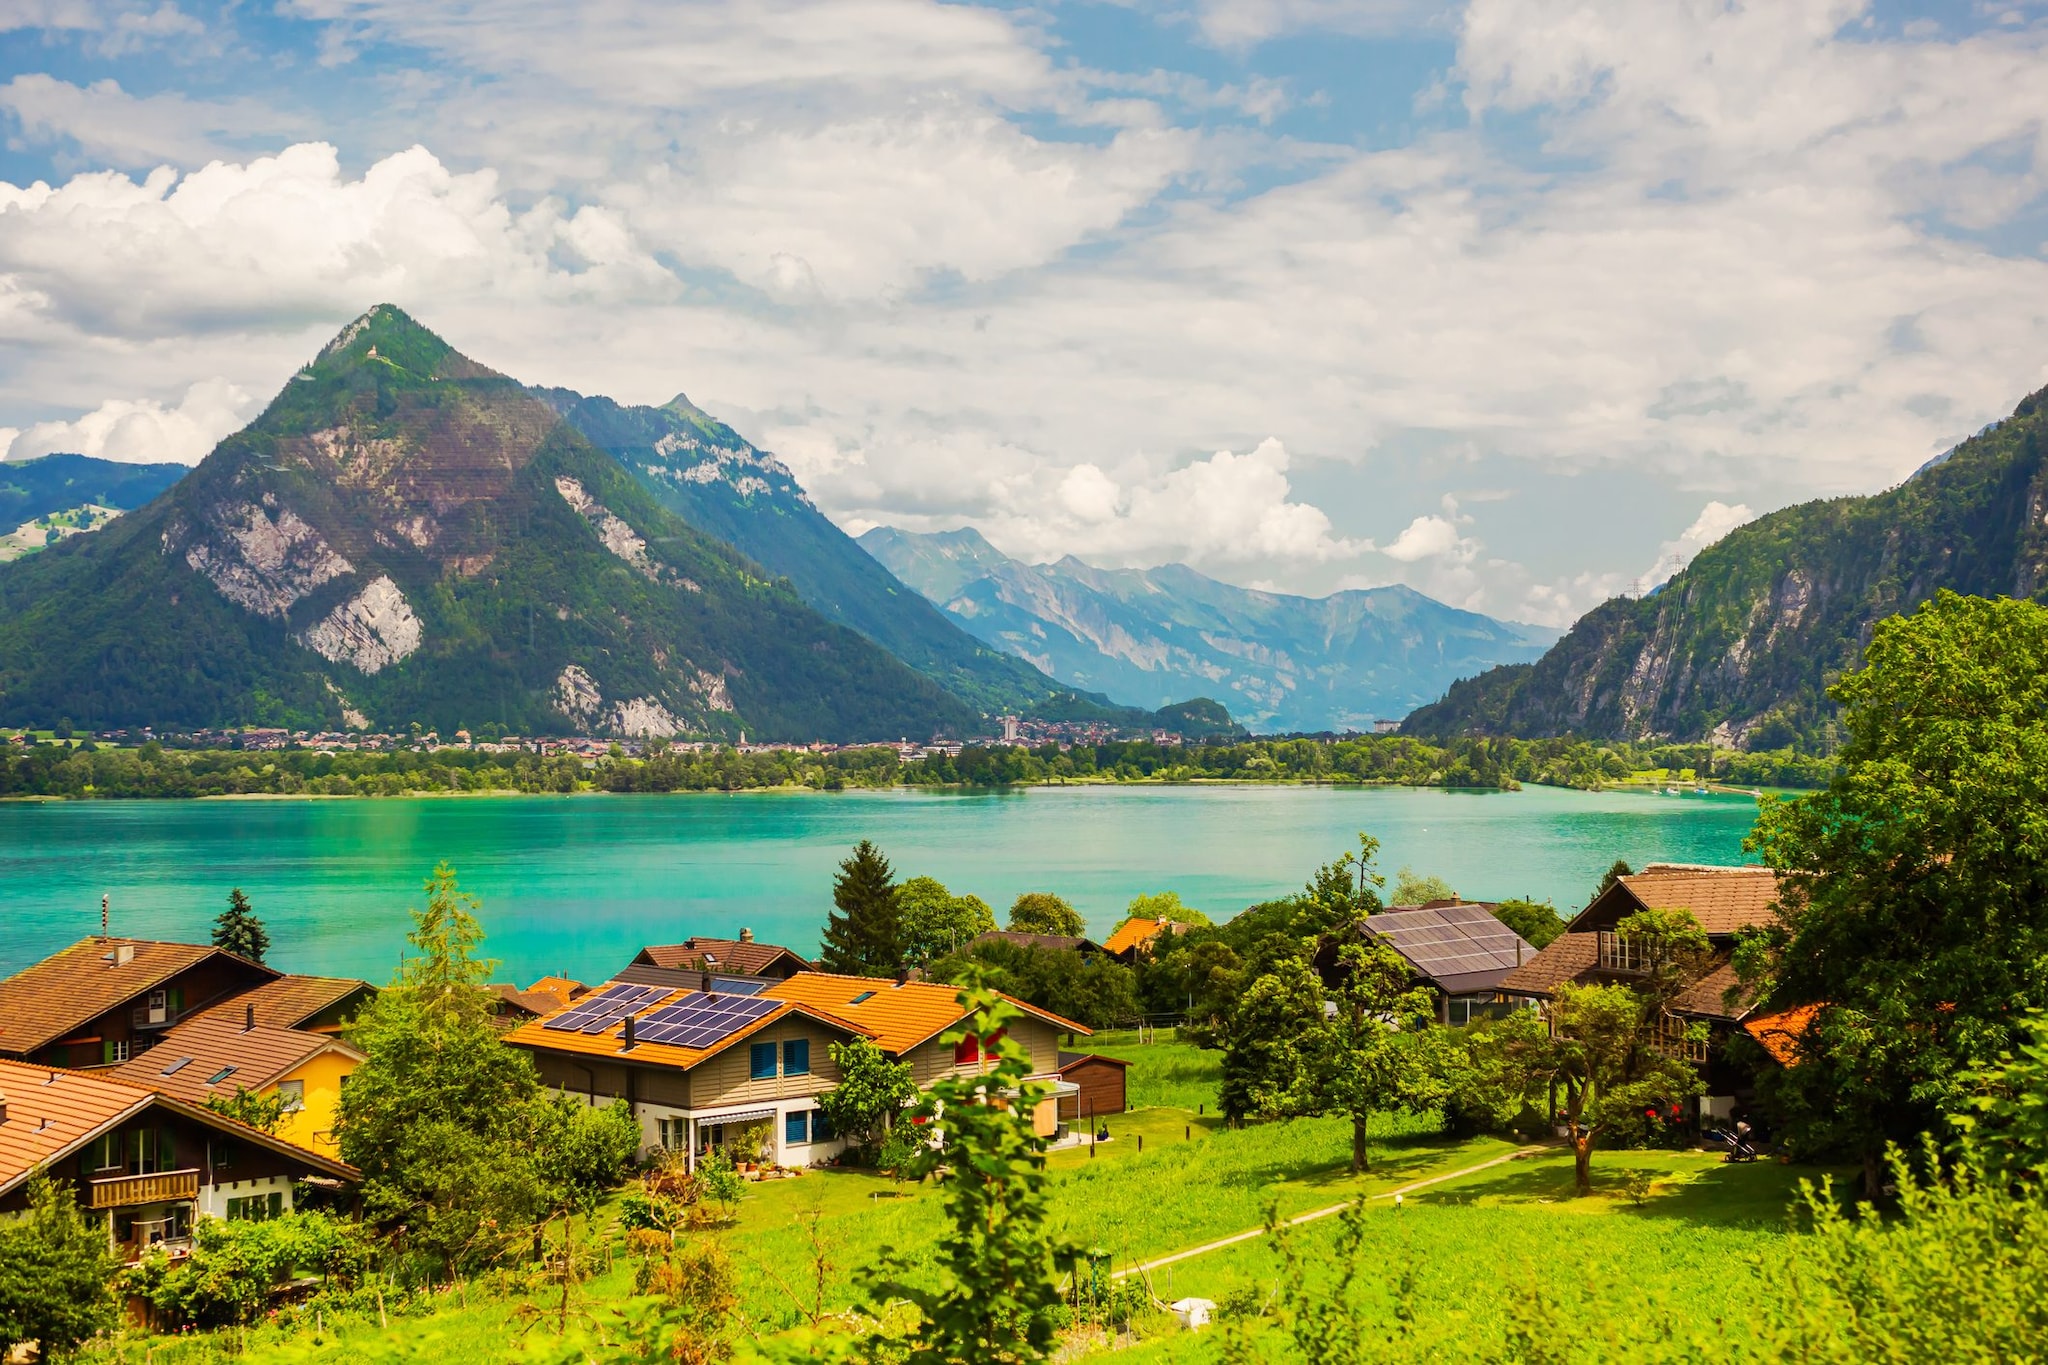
x,y
125,1191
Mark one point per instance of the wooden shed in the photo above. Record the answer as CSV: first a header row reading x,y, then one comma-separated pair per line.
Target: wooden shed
x,y
1102,1085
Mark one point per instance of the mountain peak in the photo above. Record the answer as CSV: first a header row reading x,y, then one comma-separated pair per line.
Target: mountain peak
x,y
390,337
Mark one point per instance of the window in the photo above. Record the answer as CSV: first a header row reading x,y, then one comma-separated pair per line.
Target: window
x,y
217,1077
796,1057
864,995
150,1150
821,1126
796,1128
675,1133
256,1208
293,1093
763,1062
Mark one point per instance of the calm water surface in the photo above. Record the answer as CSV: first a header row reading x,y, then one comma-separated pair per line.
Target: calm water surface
x,y
577,884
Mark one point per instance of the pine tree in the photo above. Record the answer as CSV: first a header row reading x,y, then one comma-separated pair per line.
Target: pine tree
x,y
239,931
863,936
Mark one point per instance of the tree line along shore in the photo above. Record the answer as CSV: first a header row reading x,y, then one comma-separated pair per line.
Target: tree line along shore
x,y
86,770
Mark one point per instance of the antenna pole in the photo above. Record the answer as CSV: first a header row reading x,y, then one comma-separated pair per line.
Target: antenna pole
x,y
104,899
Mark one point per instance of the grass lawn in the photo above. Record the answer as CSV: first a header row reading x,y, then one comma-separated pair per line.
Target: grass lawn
x,y
1452,1258
1467,1241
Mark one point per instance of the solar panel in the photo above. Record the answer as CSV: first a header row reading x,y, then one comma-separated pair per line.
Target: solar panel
x,y
175,1067
593,1012
730,985
699,1020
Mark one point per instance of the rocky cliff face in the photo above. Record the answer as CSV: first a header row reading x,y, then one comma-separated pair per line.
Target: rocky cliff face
x,y
405,535
1742,645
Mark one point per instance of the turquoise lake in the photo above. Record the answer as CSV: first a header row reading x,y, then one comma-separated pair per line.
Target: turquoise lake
x,y
577,884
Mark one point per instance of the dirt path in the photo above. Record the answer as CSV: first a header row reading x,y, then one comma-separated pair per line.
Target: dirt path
x,y
1145,1267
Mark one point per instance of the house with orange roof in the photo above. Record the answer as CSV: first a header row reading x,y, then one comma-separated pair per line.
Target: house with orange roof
x,y
710,1062
145,1164
1135,935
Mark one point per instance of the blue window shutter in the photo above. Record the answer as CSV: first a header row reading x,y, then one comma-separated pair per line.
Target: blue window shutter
x,y
796,1057
763,1062
795,1128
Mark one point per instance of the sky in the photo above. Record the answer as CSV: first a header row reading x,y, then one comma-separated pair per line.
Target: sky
x,y
1520,302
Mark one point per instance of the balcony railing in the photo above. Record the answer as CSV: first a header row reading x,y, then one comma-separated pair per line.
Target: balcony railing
x,y
123,1191
1626,955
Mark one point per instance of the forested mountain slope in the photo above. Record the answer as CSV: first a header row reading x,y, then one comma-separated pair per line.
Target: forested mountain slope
x,y
706,473
405,536
1280,662
1742,644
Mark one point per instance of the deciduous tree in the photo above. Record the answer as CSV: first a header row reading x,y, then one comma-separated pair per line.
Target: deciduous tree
x,y
1041,912
935,922
56,1274
872,1091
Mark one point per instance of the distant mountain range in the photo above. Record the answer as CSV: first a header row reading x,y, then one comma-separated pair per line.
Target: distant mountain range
x,y
1741,645
1279,662
406,536
49,498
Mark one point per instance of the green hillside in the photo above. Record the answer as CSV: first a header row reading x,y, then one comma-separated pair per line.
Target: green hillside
x,y
407,537
1741,646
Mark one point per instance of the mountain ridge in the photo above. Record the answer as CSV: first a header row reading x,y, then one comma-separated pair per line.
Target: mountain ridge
x,y
405,535
1280,661
1740,646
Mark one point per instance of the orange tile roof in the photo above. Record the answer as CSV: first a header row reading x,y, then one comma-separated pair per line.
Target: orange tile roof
x,y
533,1003
1133,933
562,988
288,1001
51,1112
898,1015
1725,900
534,1033
1780,1032
208,1045
69,989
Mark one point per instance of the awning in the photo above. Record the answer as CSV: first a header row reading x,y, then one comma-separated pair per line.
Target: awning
x,y
739,1116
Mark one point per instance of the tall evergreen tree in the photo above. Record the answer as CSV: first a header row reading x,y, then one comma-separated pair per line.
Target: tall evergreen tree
x,y
239,931
863,937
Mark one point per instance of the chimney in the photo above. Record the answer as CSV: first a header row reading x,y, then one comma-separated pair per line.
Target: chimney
x,y
704,982
746,935
124,954
248,1018
3,1107
902,976
630,1042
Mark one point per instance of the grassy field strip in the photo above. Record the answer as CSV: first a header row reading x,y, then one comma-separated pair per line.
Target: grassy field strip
x,y
1311,1217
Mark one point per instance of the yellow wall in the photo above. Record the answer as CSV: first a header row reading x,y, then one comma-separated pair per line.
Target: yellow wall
x,y
313,1126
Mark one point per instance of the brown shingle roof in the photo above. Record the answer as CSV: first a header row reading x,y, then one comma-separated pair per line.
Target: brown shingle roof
x,y
1708,996
288,1001
51,1112
1725,900
535,1003
195,1052
1565,958
729,954
1054,942
63,992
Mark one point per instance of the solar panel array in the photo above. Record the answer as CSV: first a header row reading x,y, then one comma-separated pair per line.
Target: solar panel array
x,y
594,1013
737,985
699,1020
1449,940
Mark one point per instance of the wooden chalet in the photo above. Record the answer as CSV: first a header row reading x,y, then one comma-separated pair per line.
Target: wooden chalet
x,y
722,1062
312,1004
1724,900
103,1000
740,956
147,1164
216,1054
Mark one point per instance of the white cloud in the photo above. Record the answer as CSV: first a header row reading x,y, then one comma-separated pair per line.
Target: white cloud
x,y
141,431
1089,494
107,124
1715,520
1426,537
